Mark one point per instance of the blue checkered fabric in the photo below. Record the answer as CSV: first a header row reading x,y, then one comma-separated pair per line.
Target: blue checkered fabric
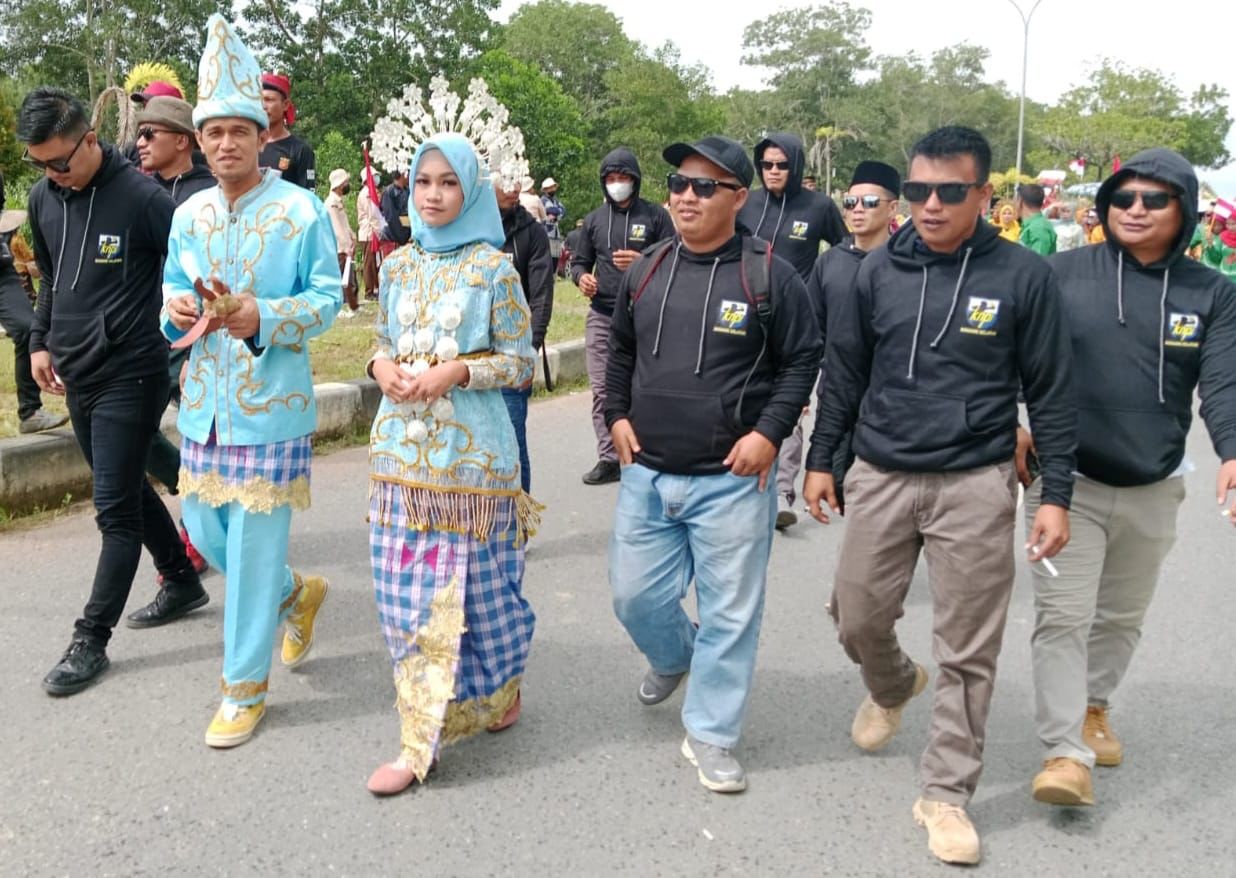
x,y
409,566
279,463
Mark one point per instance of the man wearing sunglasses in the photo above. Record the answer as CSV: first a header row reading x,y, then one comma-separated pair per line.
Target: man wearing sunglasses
x,y
100,230
924,364
870,204
612,238
708,371
797,221
1150,327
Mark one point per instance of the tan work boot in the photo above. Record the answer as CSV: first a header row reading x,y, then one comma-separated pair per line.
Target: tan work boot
x,y
298,633
874,726
950,834
1063,781
1099,737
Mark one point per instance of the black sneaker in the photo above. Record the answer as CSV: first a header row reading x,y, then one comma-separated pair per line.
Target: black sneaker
x,y
81,664
605,472
171,602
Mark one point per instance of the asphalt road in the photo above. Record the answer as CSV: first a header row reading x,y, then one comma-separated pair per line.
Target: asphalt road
x,y
117,780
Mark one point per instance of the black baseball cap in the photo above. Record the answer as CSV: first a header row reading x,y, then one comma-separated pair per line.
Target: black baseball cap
x,y
721,151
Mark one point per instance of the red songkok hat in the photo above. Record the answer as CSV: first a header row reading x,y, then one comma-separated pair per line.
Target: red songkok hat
x,y
283,85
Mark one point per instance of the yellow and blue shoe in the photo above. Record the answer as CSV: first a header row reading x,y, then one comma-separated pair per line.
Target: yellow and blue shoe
x,y
298,634
234,724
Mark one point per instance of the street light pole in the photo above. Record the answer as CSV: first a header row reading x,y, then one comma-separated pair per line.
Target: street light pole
x,y
1025,57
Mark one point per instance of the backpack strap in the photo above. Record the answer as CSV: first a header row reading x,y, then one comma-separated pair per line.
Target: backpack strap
x,y
649,263
757,278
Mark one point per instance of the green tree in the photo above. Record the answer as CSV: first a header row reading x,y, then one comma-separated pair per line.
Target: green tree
x,y
550,121
11,165
88,45
578,44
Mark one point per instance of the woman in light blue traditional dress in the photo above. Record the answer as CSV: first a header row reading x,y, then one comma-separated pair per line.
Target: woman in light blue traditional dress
x,y
448,518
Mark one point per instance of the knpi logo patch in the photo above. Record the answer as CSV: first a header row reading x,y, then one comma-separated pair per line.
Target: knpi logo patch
x,y
982,315
1183,330
732,318
798,230
109,250
639,231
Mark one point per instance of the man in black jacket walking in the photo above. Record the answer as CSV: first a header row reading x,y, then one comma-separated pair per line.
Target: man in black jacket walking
x,y
713,352
1149,326
527,244
100,232
947,322
613,236
797,221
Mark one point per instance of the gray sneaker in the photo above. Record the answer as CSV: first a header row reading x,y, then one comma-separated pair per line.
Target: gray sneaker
x,y
719,770
655,688
786,516
40,421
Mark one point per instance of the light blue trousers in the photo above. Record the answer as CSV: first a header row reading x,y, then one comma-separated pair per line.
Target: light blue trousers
x,y
251,549
718,530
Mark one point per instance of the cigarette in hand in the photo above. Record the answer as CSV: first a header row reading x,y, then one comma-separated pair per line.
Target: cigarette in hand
x,y
1049,567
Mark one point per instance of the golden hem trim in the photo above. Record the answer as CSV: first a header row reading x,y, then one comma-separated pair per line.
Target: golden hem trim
x,y
255,495
467,718
425,679
242,691
475,511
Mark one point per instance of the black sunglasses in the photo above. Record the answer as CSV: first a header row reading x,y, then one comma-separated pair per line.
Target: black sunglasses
x,y
703,187
148,133
1151,199
780,166
869,201
949,193
60,166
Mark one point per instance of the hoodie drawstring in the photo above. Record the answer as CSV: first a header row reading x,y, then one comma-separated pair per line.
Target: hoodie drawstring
x,y
1162,324
918,324
81,254
656,344
64,239
609,232
1120,287
780,217
699,356
760,224
965,261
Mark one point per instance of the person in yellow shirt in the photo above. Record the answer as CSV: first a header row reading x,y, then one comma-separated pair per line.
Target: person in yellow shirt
x,y
1005,218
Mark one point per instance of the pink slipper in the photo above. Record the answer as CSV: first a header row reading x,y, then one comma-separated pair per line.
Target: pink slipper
x,y
509,718
389,779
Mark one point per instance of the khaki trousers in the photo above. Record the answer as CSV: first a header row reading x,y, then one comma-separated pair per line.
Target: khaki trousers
x,y
1088,620
963,521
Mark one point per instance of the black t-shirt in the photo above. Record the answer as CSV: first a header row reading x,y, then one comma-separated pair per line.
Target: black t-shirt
x,y
293,159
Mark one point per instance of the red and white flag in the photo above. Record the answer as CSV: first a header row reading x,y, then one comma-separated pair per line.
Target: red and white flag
x,y
1224,209
372,189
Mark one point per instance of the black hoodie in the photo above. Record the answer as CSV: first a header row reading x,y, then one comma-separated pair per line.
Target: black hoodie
x,y
692,368
926,358
189,183
1144,336
528,245
608,228
832,280
101,253
797,220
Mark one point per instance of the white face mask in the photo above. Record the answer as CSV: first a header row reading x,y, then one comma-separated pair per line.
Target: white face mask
x,y
620,192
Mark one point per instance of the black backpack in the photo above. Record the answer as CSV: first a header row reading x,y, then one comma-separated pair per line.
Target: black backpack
x,y
756,275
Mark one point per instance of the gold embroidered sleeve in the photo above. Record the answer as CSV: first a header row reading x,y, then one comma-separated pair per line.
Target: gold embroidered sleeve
x,y
510,333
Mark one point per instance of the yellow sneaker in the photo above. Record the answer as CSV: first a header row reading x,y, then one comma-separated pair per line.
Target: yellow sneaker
x,y
950,834
1099,737
234,724
874,726
298,633
1063,781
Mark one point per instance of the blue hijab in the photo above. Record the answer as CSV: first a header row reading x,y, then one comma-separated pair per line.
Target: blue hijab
x,y
479,219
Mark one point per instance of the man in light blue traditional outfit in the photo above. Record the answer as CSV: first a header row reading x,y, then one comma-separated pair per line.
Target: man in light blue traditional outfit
x,y
251,276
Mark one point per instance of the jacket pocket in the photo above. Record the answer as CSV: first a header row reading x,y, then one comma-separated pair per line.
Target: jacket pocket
x,y
681,427
935,421
79,344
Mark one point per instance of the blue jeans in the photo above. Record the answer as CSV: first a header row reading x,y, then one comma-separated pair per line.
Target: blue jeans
x,y
718,530
517,407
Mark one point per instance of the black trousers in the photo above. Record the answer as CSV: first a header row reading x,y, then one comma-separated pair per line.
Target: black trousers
x,y
114,424
16,316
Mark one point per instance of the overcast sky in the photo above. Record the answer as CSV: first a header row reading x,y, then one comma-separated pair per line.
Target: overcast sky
x,y
1067,38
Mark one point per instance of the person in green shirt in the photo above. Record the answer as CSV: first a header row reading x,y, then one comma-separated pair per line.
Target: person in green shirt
x,y
1037,233
1219,250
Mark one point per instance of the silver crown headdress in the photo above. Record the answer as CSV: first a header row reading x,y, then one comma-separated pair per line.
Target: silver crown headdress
x,y
480,118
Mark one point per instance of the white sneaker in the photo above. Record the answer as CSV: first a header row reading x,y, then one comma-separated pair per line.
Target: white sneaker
x,y
346,313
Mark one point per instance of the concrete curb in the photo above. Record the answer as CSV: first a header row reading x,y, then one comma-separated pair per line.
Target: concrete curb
x,y
38,471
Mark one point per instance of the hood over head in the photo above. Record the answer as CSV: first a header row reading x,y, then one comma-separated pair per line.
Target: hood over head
x,y
623,160
792,146
1166,166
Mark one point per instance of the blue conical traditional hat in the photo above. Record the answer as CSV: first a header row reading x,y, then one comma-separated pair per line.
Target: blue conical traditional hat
x,y
229,81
